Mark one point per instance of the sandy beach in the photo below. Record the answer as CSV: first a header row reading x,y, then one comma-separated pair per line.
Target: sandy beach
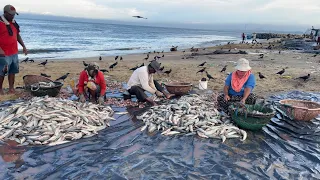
x,y
184,70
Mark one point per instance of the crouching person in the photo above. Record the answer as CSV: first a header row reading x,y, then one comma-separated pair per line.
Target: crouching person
x,y
142,80
92,85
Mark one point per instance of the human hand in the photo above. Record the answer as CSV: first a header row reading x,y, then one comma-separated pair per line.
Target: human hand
x,y
243,101
101,100
159,94
82,98
25,50
1,52
227,98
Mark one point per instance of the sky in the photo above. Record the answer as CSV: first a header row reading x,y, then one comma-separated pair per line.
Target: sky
x,y
193,12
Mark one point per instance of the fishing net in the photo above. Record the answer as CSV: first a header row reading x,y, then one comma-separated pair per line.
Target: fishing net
x,y
284,149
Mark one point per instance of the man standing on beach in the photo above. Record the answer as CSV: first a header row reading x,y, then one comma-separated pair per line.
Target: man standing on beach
x,y
9,36
243,37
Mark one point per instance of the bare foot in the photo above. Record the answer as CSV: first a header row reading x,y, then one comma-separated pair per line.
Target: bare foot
x,y
12,91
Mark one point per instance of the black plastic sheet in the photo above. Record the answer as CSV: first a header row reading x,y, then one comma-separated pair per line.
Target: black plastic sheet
x,y
284,149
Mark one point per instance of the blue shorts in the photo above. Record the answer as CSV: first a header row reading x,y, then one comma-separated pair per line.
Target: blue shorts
x,y
12,62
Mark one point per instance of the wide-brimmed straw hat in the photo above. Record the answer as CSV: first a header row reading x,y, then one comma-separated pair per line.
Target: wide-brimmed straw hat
x,y
243,65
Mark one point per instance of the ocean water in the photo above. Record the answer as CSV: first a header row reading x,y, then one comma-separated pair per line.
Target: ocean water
x,y
60,39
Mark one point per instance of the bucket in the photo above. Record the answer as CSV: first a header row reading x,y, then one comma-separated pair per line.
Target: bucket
x,y
203,85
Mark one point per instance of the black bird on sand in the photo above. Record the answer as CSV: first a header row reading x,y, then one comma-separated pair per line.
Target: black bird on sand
x,y
100,58
281,72
63,77
261,76
121,58
113,65
141,65
104,70
44,63
26,60
168,72
133,69
162,68
279,52
163,55
146,57
183,51
202,64
315,55
209,76
201,71
85,64
305,77
45,75
224,68
31,60
162,52
116,58
261,56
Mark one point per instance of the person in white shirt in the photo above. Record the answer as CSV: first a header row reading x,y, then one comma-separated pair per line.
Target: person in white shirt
x,y
142,80
254,37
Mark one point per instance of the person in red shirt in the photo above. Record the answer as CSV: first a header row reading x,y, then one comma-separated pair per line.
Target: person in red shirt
x,y
92,82
9,36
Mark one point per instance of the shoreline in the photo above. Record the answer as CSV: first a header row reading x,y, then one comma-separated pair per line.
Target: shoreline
x,y
184,70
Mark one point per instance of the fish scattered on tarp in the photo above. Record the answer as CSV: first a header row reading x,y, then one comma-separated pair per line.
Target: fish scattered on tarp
x,y
190,115
52,121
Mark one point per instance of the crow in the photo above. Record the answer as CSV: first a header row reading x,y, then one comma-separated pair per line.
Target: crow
x,y
279,52
168,72
133,69
146,57
261,76
163,55
31,60
104,70
141,65
45,75
224,68
100,58
183,51
228,42
315,55
201,71
63,77
121,58
85,64
26,60
139,17
261,56
305,77
162,52
202,64
113,65
44,63
116,58
281,72
209,76
162,68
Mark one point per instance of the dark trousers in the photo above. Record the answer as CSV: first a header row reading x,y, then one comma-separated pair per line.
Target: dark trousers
x,y
140,94
224,105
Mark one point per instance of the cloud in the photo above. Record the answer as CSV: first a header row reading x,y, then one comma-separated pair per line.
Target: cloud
x,y
182,11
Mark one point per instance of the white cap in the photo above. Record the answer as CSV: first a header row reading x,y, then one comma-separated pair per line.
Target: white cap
x,y
243,65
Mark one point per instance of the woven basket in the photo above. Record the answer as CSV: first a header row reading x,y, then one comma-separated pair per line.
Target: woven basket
x,y
44,91
28,80
245,119
178,89
300,110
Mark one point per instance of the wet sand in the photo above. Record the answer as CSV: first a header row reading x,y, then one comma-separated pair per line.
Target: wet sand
x,y
184,70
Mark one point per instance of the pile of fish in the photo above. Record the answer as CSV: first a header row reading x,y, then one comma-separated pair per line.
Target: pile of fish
x,y
190,115
52,121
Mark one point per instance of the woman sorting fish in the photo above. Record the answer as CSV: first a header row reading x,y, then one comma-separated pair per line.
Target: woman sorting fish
x,y
92,84
142,80
238,86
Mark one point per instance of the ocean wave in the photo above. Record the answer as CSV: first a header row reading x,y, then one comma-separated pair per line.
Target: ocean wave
x,y
48,50
121,49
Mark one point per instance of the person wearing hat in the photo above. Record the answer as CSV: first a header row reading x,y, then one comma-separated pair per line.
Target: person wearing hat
x,y
9,36
141,80
238,86
92,84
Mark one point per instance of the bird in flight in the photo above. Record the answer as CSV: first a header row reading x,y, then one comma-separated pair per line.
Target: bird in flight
x,y
139,17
